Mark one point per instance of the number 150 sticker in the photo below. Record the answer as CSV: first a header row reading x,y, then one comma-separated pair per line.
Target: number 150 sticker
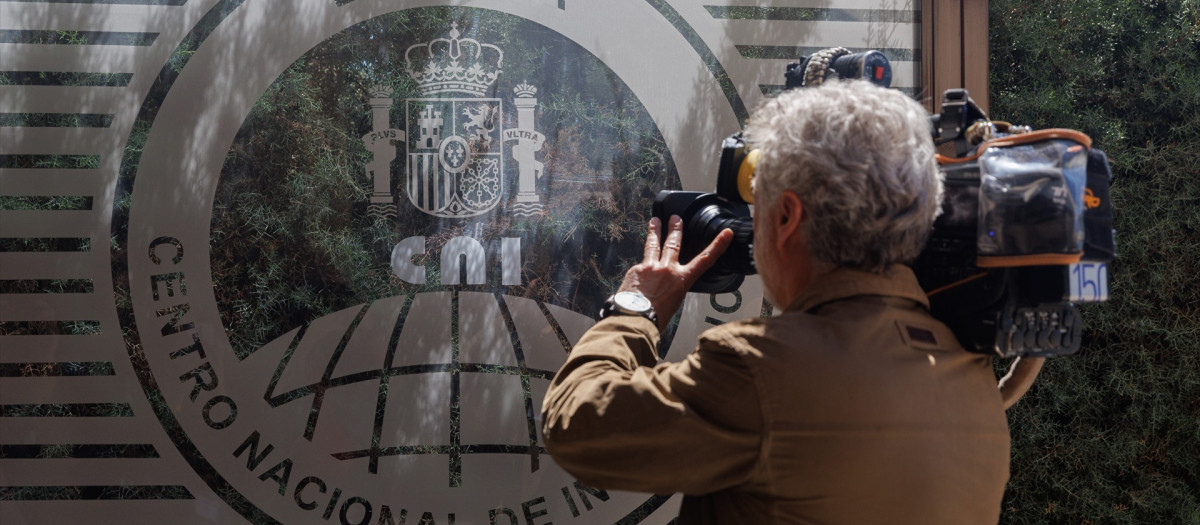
x,y
1089,282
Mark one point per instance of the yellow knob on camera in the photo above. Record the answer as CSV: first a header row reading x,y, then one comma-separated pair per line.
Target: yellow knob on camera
x,y
746,175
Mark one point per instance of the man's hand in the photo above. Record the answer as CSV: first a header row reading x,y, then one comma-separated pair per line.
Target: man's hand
x,y
661,278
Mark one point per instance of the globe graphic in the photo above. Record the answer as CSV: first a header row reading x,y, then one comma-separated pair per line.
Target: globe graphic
x,y
445,375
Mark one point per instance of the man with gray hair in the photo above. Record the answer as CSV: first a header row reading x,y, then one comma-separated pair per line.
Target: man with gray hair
x,y
853,404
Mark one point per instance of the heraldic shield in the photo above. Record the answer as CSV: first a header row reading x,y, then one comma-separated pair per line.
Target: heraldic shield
x,y
455,162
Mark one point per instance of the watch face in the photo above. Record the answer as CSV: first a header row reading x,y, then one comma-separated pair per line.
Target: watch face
x,y
632,302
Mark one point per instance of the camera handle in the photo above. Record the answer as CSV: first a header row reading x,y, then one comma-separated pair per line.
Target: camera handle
x,y
958,113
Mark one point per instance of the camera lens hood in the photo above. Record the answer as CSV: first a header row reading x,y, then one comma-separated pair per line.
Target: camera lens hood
x,y
704,216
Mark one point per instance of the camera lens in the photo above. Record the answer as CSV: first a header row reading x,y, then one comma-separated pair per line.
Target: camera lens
x,y
871,66
704,216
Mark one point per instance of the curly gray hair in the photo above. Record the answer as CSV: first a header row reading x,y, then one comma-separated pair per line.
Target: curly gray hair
x,y
862,161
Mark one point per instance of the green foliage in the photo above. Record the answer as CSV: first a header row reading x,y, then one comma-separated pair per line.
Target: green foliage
x,y
1112,435
59,202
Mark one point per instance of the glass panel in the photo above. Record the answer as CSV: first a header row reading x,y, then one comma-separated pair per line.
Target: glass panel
x,y
317,261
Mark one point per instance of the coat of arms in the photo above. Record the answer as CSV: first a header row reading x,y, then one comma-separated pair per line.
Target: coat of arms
x,y
454,156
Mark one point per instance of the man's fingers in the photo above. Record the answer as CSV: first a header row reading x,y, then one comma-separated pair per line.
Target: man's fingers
x,y
670,251
652,237
702,262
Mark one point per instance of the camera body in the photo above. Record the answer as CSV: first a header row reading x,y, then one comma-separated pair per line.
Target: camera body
x,y
1025,231
706,214
1005,267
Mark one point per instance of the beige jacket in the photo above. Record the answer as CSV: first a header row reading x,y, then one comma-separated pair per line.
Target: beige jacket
x,y
852,406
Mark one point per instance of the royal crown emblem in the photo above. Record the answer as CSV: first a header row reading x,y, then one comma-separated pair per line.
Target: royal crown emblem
x,y
455,141
454,65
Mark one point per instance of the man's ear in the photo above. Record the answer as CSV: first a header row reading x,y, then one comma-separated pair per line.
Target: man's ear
x,y
789,215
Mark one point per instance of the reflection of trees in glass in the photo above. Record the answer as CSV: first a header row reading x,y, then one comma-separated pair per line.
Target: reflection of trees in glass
x,y
292,239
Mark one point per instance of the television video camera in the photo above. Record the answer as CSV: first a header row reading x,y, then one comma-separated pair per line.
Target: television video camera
x,y
1024,234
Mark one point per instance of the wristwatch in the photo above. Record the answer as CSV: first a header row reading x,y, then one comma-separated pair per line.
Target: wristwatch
x,y
629,303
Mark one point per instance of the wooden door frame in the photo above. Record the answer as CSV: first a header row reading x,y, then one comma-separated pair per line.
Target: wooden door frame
x,y
954,50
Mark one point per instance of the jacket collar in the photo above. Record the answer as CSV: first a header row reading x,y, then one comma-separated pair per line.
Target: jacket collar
x,y
897,281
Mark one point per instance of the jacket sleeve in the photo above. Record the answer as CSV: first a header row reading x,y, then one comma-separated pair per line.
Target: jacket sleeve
x,y
616,420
